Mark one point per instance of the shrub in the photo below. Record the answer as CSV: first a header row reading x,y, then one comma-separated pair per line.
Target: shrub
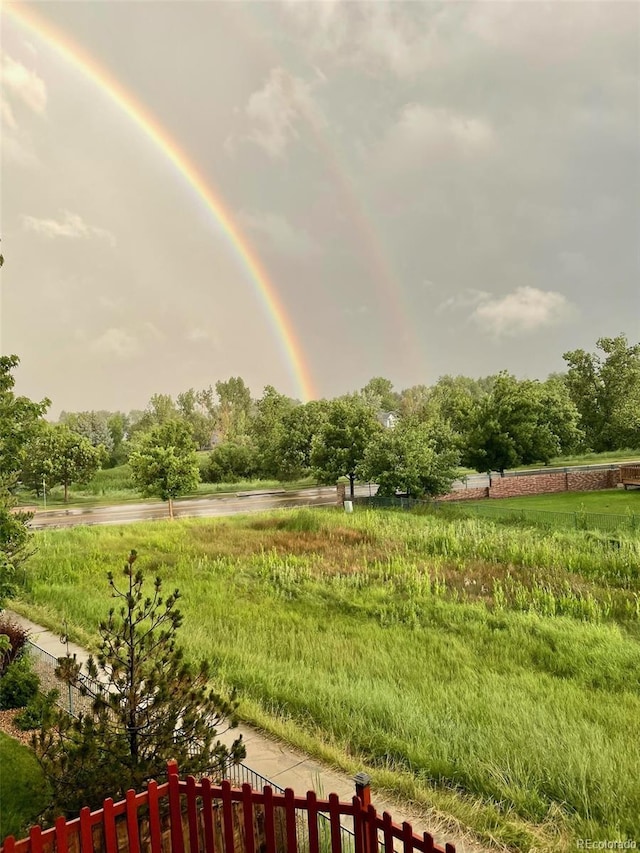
x,y
37,712
229,463
17,636
18,685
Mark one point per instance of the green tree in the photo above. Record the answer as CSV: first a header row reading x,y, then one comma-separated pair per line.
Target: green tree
x,y
195,414
148,705
69,457
606,390
340,445
267,429
160,408
379,394
420,459
230,462
299,428
92,425
19,421
234,409
519,423
118,425
164,462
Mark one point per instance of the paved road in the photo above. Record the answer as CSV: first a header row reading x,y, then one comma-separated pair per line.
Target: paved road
x,y
191,508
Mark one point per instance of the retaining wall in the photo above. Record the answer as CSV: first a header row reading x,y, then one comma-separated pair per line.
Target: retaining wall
x,y
560,481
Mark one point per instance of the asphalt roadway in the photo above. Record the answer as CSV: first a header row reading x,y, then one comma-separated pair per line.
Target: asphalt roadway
x,y
189,508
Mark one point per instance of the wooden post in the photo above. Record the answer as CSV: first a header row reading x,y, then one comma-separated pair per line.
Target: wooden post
x,y
363,788
363,793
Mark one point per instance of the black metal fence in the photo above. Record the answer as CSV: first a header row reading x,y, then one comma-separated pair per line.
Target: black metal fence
x,y
238,774
551,519
71,698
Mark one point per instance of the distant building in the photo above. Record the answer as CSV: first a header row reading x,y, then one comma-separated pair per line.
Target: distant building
x,y
388,419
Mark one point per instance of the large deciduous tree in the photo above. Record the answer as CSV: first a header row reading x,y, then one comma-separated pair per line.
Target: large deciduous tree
x,y
66,457
93,425
164,462
234,409
299,428
518,423
606,390
340,445
420,459
148,705
267,429
379,394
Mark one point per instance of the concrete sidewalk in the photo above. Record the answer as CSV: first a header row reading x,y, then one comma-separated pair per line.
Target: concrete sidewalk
x,y
282,765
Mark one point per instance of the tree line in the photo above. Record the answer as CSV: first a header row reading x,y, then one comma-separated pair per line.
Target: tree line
x,y
487,424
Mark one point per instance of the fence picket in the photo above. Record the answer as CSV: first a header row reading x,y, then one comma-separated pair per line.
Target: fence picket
x,y
177,838
387,832
290,817
227,814
132,822
312,822
35,839
192,814
61,835
86,835
109,825
407,837
269,821
358,825
207,813
427,840
154,817
247,814
334,818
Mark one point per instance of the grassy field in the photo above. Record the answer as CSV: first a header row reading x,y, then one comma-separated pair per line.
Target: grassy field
x,y
23,789
488,671
607,501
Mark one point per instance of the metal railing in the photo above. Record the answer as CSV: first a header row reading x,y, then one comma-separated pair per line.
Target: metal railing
x,y
71,697
239,774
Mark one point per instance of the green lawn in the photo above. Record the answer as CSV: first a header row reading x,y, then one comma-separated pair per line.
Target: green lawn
x,y
488,671
609,501
23,789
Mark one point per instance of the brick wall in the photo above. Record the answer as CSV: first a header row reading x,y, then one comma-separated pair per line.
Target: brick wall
x,y
465,495
541,484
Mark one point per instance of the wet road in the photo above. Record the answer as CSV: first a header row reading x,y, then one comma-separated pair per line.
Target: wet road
x,y
191,508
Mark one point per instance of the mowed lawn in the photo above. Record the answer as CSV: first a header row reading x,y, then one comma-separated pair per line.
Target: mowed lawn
x,y
607,501
488,671
23,788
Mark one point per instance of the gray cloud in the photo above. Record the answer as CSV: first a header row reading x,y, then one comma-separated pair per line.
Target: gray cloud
x,y
360,148
274,233
526,309
275,110
69,226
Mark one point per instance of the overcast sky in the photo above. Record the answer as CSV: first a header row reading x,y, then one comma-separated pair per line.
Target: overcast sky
x,y
431,187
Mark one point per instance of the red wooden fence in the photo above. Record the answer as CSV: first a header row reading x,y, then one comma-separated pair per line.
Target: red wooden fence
x,y
199,817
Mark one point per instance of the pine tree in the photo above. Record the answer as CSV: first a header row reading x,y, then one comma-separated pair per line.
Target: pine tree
x,y
146,704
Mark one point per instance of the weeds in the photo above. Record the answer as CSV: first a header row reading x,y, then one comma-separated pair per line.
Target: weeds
x,y
495,662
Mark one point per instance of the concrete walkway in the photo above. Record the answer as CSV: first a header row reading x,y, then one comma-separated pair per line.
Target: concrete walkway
x,y
284,766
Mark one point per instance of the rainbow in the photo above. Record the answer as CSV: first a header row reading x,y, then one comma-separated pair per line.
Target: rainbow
x,y
402,335
265,289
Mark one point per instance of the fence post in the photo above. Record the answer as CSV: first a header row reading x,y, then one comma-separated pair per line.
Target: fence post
x,y
363,788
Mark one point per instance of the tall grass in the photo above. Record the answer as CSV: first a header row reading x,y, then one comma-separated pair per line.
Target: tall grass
x,y
467,658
